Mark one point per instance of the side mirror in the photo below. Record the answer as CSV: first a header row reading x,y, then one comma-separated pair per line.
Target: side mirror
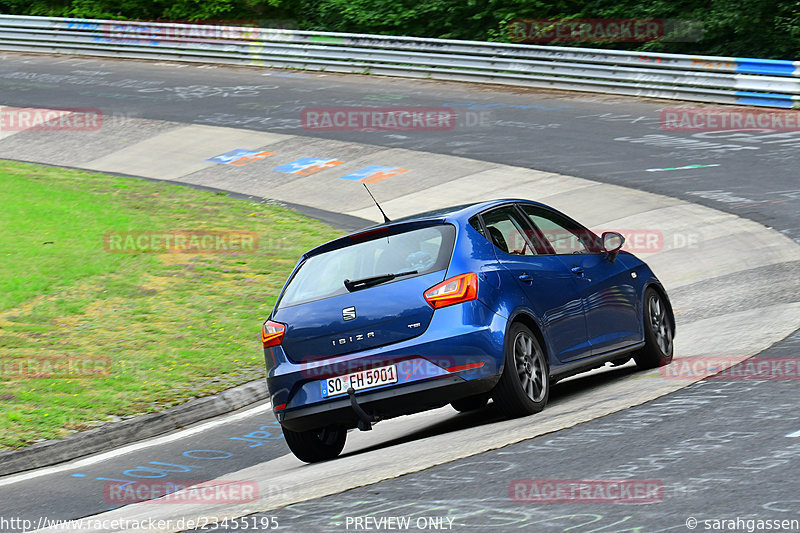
x,y
612,244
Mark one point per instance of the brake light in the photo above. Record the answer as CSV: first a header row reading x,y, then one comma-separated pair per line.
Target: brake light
x,y
363,234
272,333
451,291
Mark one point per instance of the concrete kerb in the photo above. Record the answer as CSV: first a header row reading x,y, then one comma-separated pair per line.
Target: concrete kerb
x,y
113,435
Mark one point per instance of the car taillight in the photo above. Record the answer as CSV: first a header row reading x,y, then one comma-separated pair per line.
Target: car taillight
x,y
272,333
451,291
363,234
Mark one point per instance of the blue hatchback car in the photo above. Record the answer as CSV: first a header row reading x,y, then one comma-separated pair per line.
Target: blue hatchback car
x,y
497,300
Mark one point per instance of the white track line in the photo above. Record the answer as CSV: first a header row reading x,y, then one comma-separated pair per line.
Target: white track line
x,y
81,463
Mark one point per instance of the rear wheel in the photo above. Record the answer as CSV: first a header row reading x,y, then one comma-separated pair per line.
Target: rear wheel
x,y
471,403
658,333
316,445
524,387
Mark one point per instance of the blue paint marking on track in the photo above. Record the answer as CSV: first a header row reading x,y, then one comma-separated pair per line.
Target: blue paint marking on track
x,y
373,173
307,165
258,437
231,155
239,157
253,439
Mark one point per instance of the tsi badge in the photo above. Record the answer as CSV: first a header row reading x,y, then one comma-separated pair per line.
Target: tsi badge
x,y
349,313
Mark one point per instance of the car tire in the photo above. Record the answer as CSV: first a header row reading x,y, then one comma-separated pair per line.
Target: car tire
x,y
471,403
658,333
524,386
316,445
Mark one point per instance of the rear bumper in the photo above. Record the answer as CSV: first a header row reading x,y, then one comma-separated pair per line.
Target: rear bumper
x,y
387,403
460,354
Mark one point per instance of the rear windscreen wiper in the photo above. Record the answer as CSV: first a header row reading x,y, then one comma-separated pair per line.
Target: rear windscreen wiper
x,y
374,280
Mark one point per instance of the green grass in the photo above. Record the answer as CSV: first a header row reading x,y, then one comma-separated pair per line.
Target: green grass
x,y
159,328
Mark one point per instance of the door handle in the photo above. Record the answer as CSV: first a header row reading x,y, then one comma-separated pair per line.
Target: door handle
x,y
577,271
525,277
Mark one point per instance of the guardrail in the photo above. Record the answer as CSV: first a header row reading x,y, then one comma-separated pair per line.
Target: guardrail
x,y
724,80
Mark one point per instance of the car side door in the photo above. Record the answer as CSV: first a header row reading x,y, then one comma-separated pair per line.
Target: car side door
x,y
550,290
609,296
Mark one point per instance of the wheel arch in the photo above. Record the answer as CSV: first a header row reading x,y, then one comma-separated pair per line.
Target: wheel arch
x,y
527,318
656,286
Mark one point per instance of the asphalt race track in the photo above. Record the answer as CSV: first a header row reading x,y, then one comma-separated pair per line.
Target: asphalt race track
x,y
721,448
615,140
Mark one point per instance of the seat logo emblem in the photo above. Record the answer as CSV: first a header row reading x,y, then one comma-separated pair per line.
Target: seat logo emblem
x,y
349,313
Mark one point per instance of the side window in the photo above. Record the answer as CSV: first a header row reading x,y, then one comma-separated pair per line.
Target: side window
x,y
508,231
476,223
562,235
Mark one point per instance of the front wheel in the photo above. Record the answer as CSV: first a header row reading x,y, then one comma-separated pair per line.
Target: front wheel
x,y
316,445
658,333
524,387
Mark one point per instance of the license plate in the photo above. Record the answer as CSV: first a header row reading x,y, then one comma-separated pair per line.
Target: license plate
x,y
364,379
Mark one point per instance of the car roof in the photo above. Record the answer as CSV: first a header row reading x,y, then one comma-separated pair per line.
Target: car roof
x,y
458,213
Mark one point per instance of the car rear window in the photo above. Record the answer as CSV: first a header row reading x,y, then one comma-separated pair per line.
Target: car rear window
x,y
322,276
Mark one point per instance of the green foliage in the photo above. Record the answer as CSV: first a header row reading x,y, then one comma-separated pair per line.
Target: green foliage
x,y
144,330
173,10
755,28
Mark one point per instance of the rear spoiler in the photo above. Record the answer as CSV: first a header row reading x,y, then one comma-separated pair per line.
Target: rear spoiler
x,y
371,233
